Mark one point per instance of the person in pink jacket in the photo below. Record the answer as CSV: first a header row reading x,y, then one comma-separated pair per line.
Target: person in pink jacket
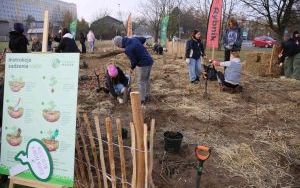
x,y
91,40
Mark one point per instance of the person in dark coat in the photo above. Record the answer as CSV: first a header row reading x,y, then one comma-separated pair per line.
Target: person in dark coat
x,y
290,57
82,40
116,82
17,41
67,43
139,57
232,38
194,51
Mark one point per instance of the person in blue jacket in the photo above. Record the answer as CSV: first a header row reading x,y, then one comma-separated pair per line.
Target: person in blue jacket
x,y
139,57
232,38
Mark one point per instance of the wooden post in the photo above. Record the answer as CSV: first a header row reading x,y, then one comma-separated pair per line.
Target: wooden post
x,y
45,32
82,170
271,60
133,151
93,146
146,154
138,122
102,159
30,183
122,155
87,158
111,152
151,183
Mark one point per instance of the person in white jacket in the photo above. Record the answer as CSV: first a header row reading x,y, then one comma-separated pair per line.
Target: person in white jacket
x,y
91,40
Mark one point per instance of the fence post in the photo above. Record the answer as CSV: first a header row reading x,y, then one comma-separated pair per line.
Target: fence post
x,y
122,155
102,159
93,146
138,121
133,151
151,183
146,154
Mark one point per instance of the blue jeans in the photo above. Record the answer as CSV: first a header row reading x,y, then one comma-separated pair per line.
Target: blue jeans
x,y
119,89
143,80
194,69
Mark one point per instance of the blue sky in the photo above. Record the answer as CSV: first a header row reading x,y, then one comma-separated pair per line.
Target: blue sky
x,y
89,8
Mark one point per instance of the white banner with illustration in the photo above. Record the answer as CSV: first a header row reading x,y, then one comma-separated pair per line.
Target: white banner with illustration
x,y
39,117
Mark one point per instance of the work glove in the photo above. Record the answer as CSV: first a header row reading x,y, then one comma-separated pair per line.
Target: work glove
x,y
228,47
187,60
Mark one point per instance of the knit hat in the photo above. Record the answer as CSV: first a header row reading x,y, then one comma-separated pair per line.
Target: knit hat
x,y
112,70
19,27
118,41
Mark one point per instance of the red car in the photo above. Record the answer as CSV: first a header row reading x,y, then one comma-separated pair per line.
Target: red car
x,y
263,41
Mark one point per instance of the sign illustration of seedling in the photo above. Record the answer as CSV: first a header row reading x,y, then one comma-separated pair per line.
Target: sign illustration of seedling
x,y
15,111
14,138
16,84
51,143
37,159
49,113
53,82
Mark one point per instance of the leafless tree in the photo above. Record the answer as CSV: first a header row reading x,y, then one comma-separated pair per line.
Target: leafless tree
x,y
274,13
154,11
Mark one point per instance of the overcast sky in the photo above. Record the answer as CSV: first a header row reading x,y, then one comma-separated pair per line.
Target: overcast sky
x,y
87,9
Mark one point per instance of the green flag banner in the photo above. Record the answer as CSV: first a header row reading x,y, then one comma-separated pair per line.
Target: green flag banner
x,y
73,27
163,32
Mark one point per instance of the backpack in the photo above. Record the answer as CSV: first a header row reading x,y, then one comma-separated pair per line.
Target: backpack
x,y
211,72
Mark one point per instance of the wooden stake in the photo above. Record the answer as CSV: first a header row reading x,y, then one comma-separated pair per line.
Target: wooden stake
x,y
151,183
122,155
102,159
111,152
138,122
91,138
45,32
30,183
146,154
133,151
79,155
87,158
271,60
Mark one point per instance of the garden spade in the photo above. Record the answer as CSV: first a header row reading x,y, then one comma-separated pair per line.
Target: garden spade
x,y
202,154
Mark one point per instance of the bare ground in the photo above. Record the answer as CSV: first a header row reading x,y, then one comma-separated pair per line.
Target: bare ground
x,y
254,135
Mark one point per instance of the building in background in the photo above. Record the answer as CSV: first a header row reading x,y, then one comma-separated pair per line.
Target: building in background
x,y
31,13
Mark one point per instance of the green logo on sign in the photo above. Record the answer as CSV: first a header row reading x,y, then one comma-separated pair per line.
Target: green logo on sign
x,y
55,63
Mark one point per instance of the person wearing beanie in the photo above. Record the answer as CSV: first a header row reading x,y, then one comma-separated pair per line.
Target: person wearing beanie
x,y
291,52
67,43
17,40
139,57
193,53
116,82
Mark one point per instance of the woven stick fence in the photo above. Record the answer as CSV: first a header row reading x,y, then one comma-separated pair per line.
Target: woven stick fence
x,y
106,158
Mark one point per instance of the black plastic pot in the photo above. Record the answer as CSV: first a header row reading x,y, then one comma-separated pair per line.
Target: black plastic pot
x,y
124,133
172,141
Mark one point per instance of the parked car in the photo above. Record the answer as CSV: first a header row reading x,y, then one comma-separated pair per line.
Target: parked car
x,y
263,41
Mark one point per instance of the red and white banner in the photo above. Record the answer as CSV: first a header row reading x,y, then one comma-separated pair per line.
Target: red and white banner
x,y
214,24
129,26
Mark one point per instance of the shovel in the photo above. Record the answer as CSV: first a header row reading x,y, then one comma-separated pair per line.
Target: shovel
x,y
202,154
